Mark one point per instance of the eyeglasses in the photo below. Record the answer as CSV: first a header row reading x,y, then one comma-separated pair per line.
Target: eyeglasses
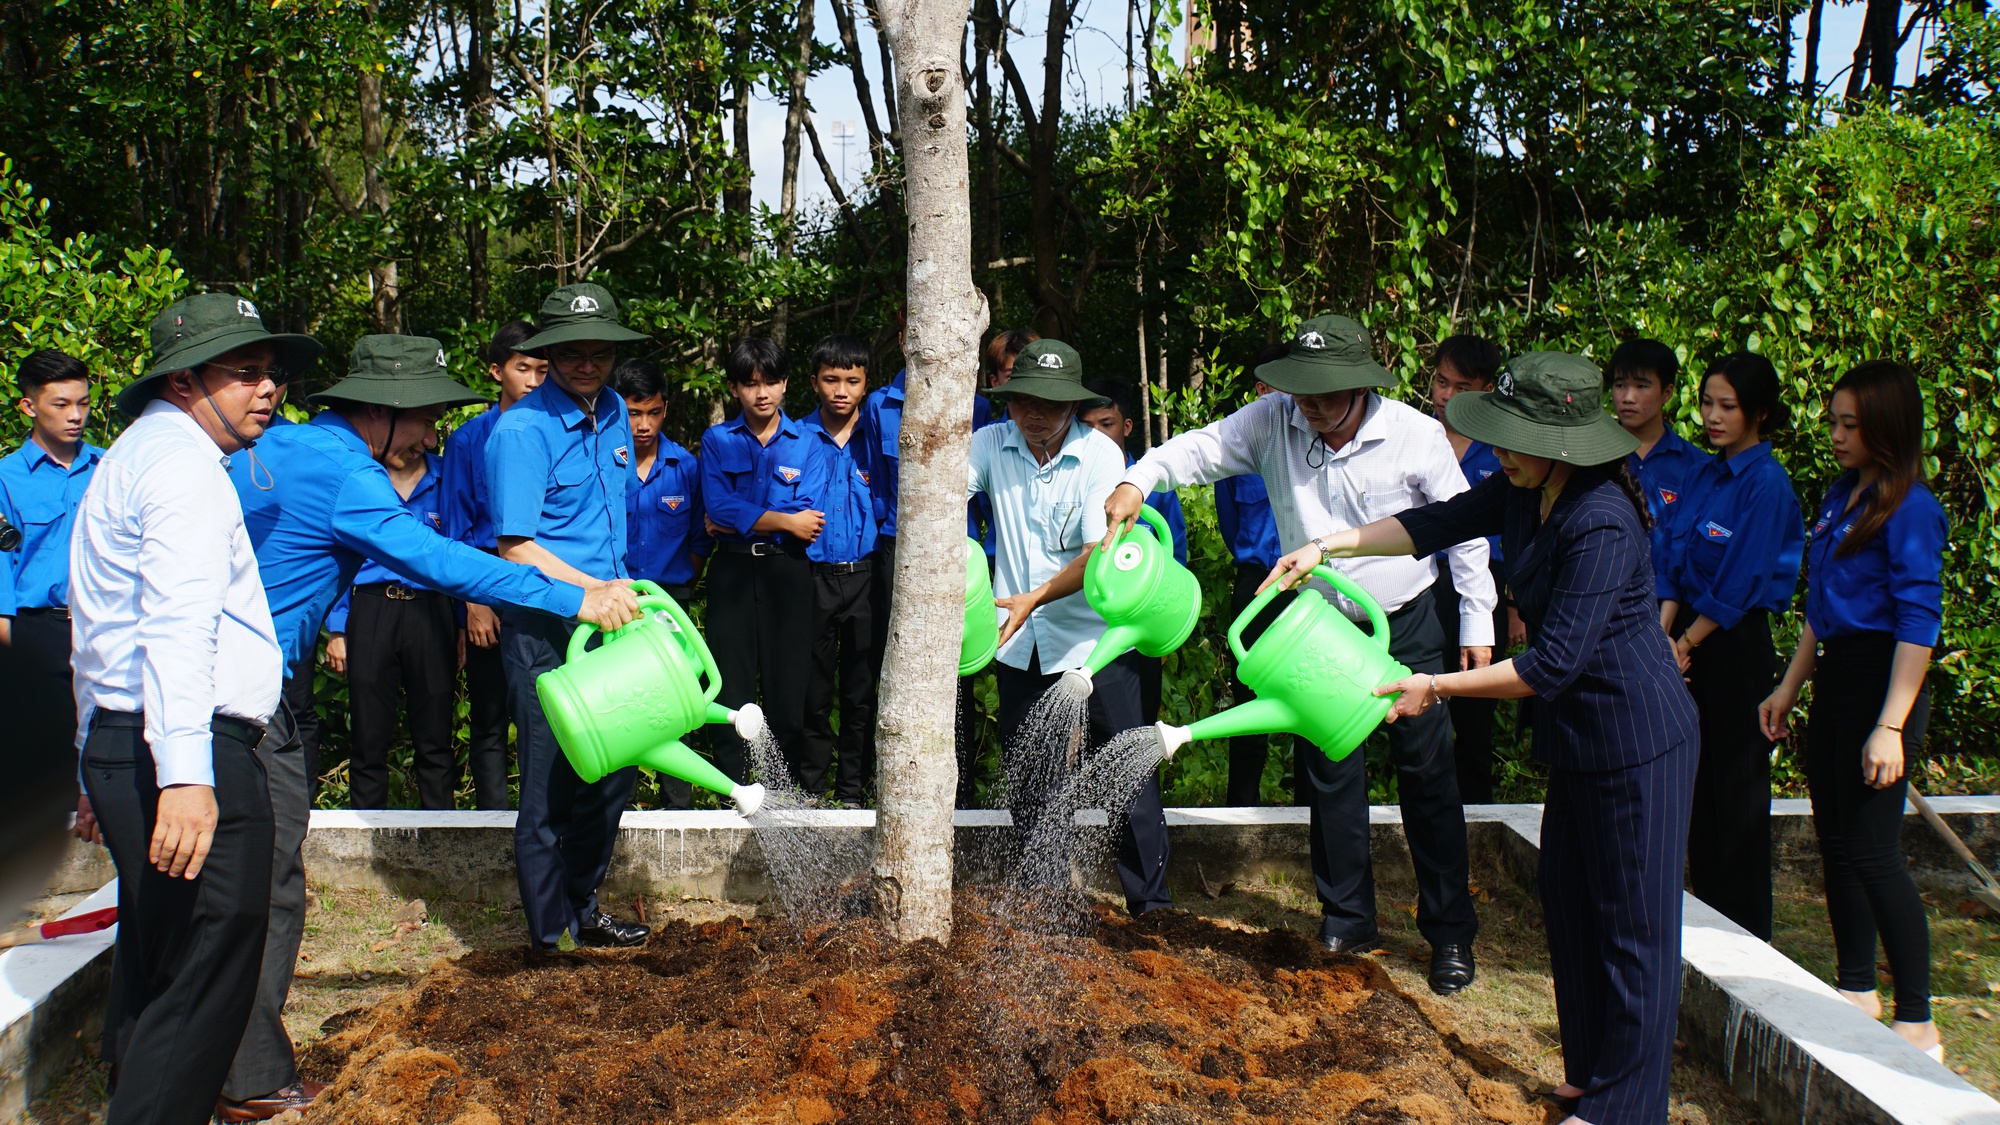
x,y
274,373
603,358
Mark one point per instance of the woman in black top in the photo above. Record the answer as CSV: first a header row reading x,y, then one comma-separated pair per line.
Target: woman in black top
x,y
1614,722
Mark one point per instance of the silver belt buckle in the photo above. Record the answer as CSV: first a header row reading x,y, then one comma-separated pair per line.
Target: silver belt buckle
x,y
399,593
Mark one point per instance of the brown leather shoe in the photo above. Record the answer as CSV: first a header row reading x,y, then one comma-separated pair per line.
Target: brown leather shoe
x,y
299,1095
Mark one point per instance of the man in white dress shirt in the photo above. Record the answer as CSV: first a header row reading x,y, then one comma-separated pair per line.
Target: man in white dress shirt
x,y
177,671
1334,454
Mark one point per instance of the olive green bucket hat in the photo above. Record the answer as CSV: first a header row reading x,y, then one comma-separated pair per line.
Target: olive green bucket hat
x,y
406,372
194,330
578,312
1049,370
1544,404
1327,354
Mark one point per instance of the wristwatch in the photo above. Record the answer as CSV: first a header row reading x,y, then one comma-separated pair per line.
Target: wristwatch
x,y
1325,552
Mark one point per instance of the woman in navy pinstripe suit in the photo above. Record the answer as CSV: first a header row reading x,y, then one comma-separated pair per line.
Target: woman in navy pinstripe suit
x,y
1615,724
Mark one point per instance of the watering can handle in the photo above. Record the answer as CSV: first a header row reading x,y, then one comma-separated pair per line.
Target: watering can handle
x,y
652,597
1376,618
1158,524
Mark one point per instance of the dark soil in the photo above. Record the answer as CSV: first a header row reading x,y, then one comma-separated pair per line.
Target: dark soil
x,y
1165,1019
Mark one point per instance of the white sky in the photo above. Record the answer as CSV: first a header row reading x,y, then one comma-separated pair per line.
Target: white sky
x,y
1095,76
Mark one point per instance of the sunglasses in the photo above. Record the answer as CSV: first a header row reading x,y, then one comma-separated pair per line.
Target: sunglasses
x,y
274,373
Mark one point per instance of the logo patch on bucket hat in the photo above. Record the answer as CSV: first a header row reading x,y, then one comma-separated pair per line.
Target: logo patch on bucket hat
x,y
1049,360
583,303
245,308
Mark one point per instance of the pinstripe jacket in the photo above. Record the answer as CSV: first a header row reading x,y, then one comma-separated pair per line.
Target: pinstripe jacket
x,y
1603,670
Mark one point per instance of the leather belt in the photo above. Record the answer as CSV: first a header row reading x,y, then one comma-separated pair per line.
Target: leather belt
x,y
243,730
857,567
397,592
757,549
59,612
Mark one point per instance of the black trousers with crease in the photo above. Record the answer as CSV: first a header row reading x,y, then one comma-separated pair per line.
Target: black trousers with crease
x,y
1471,717
402,659
486,715
1729,838
843,668
759,626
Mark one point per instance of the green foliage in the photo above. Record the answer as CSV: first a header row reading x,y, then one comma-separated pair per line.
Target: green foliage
x,y
62,294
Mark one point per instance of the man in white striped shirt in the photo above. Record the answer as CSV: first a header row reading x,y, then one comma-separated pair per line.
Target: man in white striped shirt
x,y
1334,454
177,671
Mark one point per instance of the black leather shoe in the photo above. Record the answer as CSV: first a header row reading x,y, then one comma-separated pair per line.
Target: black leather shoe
x,y
605,930
1451,968
1349,945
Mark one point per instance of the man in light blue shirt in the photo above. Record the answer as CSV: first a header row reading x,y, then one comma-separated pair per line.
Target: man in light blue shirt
x,y
41,485
557,468
1048,476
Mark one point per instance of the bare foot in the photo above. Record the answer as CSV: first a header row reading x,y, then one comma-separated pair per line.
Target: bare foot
x,y
1568,1091
1923,1036
1869,1002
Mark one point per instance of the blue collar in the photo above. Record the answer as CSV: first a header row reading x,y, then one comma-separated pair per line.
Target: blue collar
x,y
786,428
343,429
32,452
1670,442
1743,462
894,390
1013,440
570,412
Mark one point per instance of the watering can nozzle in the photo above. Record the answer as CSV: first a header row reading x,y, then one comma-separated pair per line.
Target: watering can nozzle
x,y
749,723
1076,683
1171,738
749,799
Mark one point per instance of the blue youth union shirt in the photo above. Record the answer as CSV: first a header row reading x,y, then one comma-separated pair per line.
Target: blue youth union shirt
x,y
1891,585
1663,475
882,414
39,497
839,486
1738,541
663,519
1243,513
742,478
426,502
559,476
468,515
316,504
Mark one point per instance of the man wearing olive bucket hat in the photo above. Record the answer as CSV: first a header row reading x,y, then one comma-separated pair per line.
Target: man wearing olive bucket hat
x,y
177,670
318,500
1048,475
1614,723
1334,454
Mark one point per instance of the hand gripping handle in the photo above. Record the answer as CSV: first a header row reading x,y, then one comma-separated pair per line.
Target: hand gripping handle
x,y
1147,515
1339,581
652,597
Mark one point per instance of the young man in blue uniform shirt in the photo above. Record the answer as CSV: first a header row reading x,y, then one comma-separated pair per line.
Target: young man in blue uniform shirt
x,y
665,541
469,519
1243,516
316,502
755,485
398,642
843,626
1643,374
558,466
41,485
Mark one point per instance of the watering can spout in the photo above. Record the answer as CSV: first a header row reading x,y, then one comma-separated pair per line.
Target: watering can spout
x,y
1076,683
749,723
1172,738
749,799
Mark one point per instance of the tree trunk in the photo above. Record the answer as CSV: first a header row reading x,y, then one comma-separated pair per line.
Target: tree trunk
x,y
479,122
1885,18
843,17
915,743
788,191
736,200
386,307
1814,22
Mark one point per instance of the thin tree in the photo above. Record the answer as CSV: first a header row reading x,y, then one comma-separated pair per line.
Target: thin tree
x,y
947,313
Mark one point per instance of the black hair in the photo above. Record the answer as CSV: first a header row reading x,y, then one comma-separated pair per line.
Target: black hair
x,y
752,356
1641,356
1113,390
1011,342
1474,357
507,341
839,352
48,366
636,380
1272,353
1755,382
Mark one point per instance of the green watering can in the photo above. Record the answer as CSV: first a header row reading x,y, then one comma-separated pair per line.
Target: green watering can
x,y
981,640
631,700
1148,601
1314,672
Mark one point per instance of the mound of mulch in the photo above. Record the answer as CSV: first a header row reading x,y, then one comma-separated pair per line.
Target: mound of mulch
x,y
1164,1019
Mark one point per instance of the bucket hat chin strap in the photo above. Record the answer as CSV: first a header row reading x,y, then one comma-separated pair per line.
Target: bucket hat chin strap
x,y
249,447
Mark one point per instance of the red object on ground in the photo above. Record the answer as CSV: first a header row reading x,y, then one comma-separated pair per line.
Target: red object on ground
x,y
62,927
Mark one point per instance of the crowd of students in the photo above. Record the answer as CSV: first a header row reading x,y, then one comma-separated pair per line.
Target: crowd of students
x,y
544,507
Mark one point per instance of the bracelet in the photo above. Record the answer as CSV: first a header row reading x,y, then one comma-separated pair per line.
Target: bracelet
x,y
1897,727
1325,552
1435,697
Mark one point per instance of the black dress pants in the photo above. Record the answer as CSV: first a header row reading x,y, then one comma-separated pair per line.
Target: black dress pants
x,y
184,976
1248,752
567,827
1869,892
304,710
1433,816
402,654
45,714
843,667
760,611
1471,718
264,1059
486,706
1729,840
1114,708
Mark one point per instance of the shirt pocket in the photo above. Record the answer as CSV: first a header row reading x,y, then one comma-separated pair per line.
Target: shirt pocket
x,y
571,471
41,514
787,486
1062,527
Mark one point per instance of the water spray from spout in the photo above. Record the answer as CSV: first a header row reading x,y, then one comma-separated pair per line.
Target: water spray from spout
x,y
749,799
1171,738
1076,683
749,722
